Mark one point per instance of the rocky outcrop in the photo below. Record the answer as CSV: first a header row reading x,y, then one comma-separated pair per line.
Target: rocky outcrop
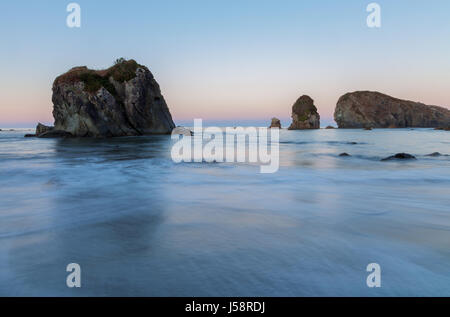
x,y
364,109
41,128
123,100
276,123
400,156
304,114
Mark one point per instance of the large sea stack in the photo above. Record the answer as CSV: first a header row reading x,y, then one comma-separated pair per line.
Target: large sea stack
x,y
304,114
123,100
367,109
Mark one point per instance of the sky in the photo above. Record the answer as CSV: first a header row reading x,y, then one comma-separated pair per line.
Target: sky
x,y
236,60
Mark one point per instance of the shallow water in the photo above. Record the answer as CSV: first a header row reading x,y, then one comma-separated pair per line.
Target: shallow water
x,y
139,224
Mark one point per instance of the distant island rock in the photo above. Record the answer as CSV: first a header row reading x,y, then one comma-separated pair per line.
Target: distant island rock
x,y
304,114
367,109
276,123
123,100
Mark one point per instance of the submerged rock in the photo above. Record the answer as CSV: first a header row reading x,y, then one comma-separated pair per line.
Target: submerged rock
x,y
436,154
344,154
373,109
400,156
30,135
276,123
329,127
122,100
304,114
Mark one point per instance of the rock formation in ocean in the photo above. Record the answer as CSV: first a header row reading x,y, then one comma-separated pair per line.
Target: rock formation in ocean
x,y
400,156
41,128
364,109
304,114
276,123
123,100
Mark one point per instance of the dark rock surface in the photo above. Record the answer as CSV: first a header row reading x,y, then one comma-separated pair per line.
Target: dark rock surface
x,y
400,156
41,128
276,123
304,114
122,100
344,154
436,154
363,109
55,134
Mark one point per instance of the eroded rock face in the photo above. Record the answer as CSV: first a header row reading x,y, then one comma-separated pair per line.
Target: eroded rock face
x,y
363,109
304,114
276,123
41,128
123,100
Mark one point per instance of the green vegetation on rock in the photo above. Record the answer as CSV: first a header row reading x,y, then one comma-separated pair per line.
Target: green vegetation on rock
x,y
123,70
93,82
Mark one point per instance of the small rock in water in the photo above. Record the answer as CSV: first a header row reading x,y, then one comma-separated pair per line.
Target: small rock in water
x,y
30,135
344,154
183,131
368,128
276,123
304,114
329,127
41,129
434,154
400,156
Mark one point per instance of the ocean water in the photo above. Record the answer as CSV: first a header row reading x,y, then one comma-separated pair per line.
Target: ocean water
x,y
140,225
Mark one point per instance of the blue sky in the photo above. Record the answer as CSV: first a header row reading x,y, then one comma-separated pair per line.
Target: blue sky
x,y
229,60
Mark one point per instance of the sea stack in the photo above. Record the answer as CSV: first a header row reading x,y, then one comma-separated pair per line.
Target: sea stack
x,y
123,100
364,109
304,114
276,123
